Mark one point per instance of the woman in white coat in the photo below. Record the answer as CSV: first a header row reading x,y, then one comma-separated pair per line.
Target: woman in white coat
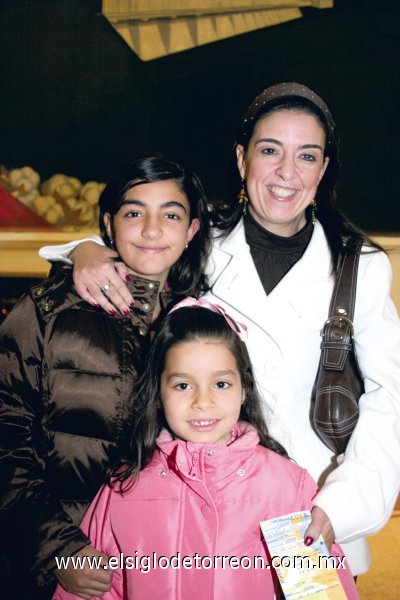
x,y
275,255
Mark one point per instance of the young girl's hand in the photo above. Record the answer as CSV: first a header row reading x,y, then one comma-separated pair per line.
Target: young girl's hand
x,y
94,268
86,582
320,524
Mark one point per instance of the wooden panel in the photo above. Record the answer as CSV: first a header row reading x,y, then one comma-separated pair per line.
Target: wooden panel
x,y
164,27
19,254
19,251
142,9
392,246
152,39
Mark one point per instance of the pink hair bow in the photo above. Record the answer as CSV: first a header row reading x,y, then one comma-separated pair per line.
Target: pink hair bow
x,y
239,328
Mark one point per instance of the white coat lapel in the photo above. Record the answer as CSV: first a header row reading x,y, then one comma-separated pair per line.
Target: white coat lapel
x,y
314,265
236,282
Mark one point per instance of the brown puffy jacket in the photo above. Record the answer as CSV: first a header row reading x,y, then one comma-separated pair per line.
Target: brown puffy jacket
x,y
67,372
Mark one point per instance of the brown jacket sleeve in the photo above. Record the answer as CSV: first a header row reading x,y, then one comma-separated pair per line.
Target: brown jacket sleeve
x,y
35,527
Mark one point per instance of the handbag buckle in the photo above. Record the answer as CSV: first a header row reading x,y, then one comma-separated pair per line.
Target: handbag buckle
x,y
338,319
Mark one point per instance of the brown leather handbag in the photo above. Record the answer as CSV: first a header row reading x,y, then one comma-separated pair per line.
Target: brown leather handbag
x,y
339,384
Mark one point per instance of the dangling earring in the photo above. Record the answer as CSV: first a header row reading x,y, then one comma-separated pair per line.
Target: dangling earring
x,y
242,197
186,245
314,206
112,243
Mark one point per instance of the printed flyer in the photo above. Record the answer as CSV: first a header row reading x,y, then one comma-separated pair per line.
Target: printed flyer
x,y
304,572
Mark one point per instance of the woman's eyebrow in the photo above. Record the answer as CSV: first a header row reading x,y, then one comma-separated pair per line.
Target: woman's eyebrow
x,y
270,140
278,143
315,146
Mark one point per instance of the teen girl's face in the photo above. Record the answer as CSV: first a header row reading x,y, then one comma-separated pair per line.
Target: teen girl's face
x,y
151,228
201,391
282,166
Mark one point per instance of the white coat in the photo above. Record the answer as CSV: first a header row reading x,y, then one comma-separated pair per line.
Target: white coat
x,y
284,345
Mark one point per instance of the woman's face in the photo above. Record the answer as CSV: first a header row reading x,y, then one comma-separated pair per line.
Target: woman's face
x,y
151,228
283,165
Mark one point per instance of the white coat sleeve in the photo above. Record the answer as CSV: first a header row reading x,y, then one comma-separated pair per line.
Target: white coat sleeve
x,y
61,252
360,493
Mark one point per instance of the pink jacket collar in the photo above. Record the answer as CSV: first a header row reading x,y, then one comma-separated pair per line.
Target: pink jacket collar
x,y
198,460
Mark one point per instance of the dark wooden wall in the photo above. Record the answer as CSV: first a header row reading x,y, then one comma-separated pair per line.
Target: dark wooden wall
x,y
75,99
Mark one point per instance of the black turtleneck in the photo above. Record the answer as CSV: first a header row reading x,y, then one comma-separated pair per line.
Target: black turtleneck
x,y
274,255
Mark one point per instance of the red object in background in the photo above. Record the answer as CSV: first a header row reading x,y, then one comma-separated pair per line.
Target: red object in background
x,y
15,216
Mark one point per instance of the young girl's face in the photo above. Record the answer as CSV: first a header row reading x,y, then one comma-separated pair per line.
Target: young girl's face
x,y
201,391
151,228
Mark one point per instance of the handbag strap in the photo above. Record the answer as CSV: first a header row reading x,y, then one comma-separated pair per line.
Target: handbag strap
x,y
338,329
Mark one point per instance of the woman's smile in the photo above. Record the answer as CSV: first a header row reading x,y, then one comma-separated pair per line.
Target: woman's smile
x,y
281,193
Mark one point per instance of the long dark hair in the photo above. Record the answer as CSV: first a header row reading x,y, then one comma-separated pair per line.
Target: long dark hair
x,y
143,426
186,276
338,228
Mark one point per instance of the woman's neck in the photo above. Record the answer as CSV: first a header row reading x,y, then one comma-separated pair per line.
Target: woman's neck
x,y
288,229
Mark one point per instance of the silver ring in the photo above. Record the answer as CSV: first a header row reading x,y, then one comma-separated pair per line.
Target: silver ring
x,y
106,287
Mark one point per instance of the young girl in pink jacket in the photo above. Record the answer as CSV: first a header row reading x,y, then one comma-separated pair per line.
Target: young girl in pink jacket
x,y
181,518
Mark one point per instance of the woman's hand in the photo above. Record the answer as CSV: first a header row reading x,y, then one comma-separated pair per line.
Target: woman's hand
x,y
86,582
320,524
95,268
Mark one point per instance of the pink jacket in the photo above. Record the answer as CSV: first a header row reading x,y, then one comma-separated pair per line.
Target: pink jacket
x,y
204,500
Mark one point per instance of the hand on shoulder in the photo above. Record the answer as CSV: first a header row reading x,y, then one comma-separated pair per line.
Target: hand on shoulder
x,y
95,269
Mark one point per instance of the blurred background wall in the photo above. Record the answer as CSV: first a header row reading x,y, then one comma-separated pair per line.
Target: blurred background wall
x,y
75,98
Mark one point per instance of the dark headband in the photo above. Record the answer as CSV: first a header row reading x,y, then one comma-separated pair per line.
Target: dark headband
x,y
278,92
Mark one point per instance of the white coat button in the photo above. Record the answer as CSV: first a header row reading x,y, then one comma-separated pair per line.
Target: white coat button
x,y
146,307
210,452
240,472
273,368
